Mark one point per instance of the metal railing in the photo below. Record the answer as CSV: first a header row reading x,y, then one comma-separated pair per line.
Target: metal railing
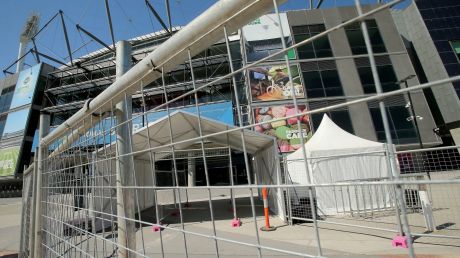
x,y
108,195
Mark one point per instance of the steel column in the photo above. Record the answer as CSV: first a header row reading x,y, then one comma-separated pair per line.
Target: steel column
x,y
42,153
124,163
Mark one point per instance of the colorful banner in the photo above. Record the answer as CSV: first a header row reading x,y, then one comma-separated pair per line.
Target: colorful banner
x,y
286,131
25,87
8,160
272,83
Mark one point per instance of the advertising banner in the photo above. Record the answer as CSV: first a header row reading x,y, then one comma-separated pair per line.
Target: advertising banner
x,y
16,123
286,131
266,27
262,37
272,83
25,87
99,134
222,112
8,160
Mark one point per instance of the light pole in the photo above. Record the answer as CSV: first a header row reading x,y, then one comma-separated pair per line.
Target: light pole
x,y
413,116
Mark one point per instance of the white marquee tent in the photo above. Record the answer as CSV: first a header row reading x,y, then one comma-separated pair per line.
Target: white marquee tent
x,y
334,155
184,125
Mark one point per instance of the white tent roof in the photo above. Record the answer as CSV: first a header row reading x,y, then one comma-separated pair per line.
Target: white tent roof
x,y
185,126
330,137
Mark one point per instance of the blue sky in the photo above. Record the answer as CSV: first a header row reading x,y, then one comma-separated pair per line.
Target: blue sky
x,y
130,17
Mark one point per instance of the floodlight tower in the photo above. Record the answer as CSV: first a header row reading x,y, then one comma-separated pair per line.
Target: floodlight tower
x,y
30,29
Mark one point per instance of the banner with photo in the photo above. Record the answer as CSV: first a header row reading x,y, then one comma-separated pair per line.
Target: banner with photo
x,y
272,83
8,160
25,87
286,131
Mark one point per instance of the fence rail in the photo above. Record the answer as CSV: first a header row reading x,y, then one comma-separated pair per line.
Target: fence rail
x,y
185,185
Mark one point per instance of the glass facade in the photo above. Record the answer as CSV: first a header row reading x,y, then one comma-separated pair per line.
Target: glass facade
x,y
356,38
340,117
318,48
456,47
442,19
387,78
402,130
320,84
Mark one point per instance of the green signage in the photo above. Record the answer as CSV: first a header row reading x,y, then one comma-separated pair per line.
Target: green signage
x,y
256,21
8,160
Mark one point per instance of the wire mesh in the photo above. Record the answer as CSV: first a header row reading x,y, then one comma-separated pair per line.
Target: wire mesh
x,y
27,213
186,185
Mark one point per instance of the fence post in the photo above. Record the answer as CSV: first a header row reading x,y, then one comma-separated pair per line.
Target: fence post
x,y
124,163
34,204
403,224
42,153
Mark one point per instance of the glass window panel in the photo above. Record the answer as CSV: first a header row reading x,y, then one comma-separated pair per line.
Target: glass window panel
x,y
300,29
340,117
317,28
316,93
343,120
356,39
316,119
322,47
330,78
312,80
331,83
402,131
318,48
387,78
332,92
305,51
376,39
323,84
371,23
456,46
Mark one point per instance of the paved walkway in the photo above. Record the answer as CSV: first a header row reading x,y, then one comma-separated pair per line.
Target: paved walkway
x,y
10,212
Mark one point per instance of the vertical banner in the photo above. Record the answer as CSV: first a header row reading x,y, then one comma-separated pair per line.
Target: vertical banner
x,y
272,83
25,87
16,123
8,160
286,131
262,37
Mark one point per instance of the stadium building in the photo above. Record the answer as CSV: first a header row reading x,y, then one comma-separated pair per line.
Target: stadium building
x,y
331,70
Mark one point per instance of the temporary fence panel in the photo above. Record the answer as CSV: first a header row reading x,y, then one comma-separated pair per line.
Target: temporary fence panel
x,y
27,213
186,185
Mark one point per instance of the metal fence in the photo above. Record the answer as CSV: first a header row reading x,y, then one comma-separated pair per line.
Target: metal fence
x,y
432,207
27,213
105,190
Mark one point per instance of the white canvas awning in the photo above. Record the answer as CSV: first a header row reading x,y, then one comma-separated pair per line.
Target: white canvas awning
x,y
184,126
